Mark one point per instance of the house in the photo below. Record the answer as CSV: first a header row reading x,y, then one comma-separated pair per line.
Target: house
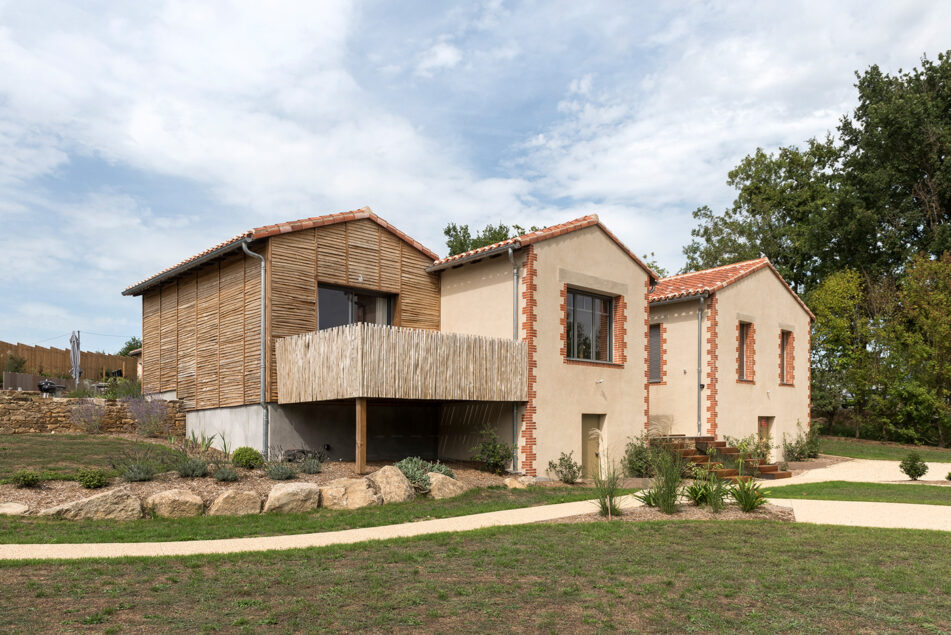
x,y
729,354
343,334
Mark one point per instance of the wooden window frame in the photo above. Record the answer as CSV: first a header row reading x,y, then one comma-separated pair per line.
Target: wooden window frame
x,y
609,301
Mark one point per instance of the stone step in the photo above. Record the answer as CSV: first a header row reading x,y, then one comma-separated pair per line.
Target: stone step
x,y
777,474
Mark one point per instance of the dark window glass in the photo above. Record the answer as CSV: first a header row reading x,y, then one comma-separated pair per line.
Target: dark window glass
x,y
744,335
783,351
333,307
589,324
654,352
337,307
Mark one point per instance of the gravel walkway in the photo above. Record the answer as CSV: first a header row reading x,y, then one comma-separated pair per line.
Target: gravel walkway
x,y
865,471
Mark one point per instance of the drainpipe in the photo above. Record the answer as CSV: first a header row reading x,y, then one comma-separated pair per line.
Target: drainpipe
x,y
264,412
514,337
700,365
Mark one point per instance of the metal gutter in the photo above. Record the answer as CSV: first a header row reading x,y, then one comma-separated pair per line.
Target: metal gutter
x,y
180,269
511,253
473,257
686,298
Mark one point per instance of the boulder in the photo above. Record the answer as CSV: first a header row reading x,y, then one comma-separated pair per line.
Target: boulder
x,y
441,486
350,493
116,504
234,502
175,503
13,509
527,480
392,484
513,483
293,498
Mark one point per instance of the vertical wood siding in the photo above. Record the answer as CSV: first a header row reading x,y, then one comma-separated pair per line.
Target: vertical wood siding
x,y
187,311
151,340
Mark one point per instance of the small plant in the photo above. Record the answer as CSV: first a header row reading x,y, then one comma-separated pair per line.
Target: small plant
x,y
149,415
225,474
441,468
138,471
278,471
87,415
607,489
647,496
697,492
708,490
248,458
25,478
669,468
748,495
492,452
751,446
639,457
92,479
311,465
192,467
948,477
567,469
913,466
416,470
805,446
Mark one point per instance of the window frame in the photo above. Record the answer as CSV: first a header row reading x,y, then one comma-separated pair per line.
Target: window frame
x,y
784,338
351,293
651,377
744,335
571,342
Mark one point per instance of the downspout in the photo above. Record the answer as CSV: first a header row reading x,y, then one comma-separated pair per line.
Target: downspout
x,y
514,337
264,412
700,365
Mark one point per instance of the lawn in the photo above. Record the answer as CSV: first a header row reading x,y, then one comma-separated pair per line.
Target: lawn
x,y
27,529
749,576
862,449
58,456
874,492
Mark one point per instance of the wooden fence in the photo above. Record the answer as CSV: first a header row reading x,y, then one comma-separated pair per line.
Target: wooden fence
x,y
367,360
55,361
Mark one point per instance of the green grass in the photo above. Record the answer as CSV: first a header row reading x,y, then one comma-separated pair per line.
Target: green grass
x,y
27,529
873,492
878,450
646,577
59,456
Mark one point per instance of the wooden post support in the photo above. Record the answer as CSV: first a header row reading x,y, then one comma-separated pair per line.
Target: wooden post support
x,y
361,435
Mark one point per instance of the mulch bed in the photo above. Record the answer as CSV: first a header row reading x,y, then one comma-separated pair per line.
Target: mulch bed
x,y
687,512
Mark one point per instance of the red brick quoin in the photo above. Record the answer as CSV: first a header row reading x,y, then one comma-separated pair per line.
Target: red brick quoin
x,y
647,361
663,356
750,360
619,354
712,364
529,335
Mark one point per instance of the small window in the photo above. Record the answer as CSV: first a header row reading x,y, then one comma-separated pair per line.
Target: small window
x,y
785,358
743,360
338,306
655,352
590,326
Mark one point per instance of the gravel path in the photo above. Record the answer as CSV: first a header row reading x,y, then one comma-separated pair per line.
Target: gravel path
x,y
866,471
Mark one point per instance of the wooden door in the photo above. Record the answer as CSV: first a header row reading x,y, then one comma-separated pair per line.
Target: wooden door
x,y
590,445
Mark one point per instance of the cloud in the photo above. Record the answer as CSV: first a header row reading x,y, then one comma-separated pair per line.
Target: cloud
x,y
441,56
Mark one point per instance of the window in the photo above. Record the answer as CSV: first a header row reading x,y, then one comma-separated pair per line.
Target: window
x,y
655,353
745,352
337,306
590,326
785,357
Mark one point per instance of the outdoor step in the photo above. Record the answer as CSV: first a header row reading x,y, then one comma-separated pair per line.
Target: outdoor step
x,y
736,479
777,474
770,467
727,451
699,458
725,473
753,462
685,452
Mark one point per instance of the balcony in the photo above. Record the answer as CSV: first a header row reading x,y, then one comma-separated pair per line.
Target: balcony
x,y
387,362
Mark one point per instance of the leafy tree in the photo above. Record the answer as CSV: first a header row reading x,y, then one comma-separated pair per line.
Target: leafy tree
x,y
459,239
131,344
651,261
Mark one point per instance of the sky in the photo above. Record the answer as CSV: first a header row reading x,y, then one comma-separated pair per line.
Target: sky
x,y
136,134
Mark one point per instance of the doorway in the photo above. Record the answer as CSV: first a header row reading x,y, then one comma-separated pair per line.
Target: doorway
x,y
591,445
764,430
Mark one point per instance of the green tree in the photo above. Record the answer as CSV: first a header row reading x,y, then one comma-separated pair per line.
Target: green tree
x,y
651,261
131,344
459,238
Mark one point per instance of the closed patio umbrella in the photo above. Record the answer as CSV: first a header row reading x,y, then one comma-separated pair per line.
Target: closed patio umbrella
x,y
74,355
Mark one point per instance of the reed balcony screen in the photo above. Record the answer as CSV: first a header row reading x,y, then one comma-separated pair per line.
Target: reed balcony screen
x,y
388,362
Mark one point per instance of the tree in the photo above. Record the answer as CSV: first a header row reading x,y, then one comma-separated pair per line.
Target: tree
x,y
651,261
460,240
131,344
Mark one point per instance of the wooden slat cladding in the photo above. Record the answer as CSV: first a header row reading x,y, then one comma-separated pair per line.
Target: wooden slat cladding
x,y
419,292
151,341
363,254
187,295
252,327
332,254
169,334
206,347
230,331
367,360
390,248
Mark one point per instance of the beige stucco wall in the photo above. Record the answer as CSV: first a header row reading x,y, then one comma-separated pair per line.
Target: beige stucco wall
x,y
477,298
761,298
673,403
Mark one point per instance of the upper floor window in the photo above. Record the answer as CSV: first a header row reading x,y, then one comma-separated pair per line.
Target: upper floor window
x,y
338,306
785,357
590,326
654,351
745,352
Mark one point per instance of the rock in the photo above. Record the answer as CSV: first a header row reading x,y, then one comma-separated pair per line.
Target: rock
x,y
116,504
393,486
350,493
293,498
513,483
234,502
175,503
13,509
441,486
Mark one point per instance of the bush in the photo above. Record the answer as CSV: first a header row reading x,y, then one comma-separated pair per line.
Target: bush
x,y
191,467
87,415
277,471
748,495
15,364
225,474
567,469
25,478
648,497
248,458
948,477
805,446
138,471
751,446
668,476
416,471
311,465
639,457
607,489
92,479
441,468
142,461
149,415
913,466
492,452
708,490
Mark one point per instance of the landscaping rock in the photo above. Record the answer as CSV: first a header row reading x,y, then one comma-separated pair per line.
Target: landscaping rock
x,y
234,502
393,486
514,483
441,486
293,498
116,504
13,509
350,493
175,503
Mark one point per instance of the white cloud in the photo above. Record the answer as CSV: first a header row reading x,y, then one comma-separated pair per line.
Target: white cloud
x,y
440,56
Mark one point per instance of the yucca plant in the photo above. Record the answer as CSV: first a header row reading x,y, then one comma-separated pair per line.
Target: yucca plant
x,y
748,495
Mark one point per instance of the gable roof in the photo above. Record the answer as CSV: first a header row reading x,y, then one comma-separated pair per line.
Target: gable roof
x,y
709,281
267,231
545,233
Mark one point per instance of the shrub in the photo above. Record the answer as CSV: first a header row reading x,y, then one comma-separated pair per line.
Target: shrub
x,y
648,497
277,471
138,471
668,476
607,489
15,364
748,495
149,415
416,471
913,466
639,457
492,452
751,446
92,479
805,446
708,490
311,465
441,468
567,469
948,477
191,467
87,415
25,478
225,474
697,492
248,458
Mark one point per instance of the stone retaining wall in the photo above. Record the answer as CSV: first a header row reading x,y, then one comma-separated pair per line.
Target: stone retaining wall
x,y
28,411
